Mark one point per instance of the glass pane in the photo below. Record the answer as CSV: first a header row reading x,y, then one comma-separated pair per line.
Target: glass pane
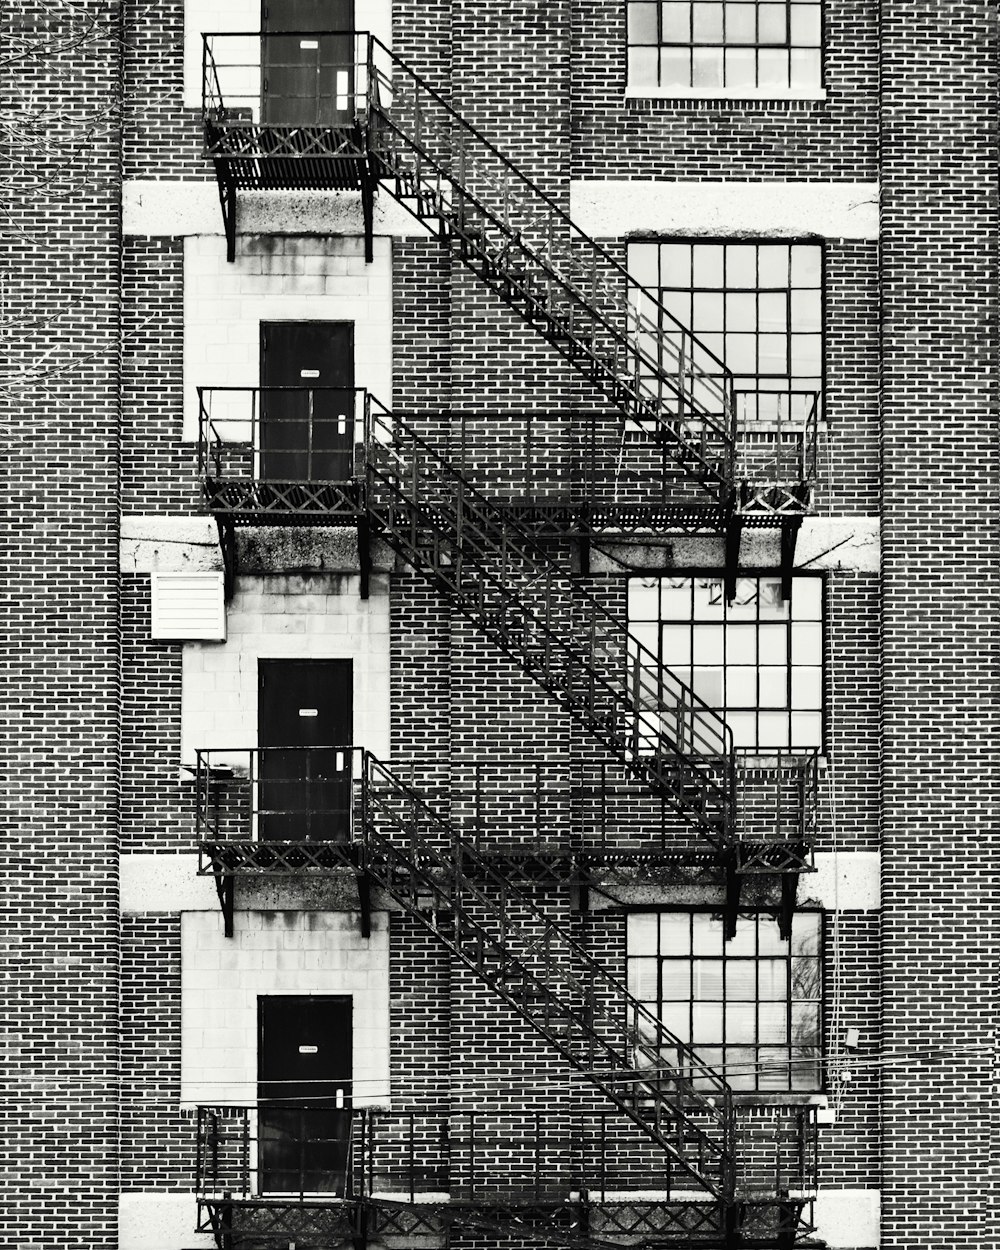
x,y
675,600
807,355
773,686
675,979
807,311
640,933
805,1024
642,25
769,940
741,644
806,27
741,67
772,26
773,730
773,354
744,727
643,264
807,596
805,977
741,24
744,940
773,314
678,304
772,67
677,1018
708,259
807,265
741,974
741,353
741,312
741,1070
642,67
708,312
647,636
709,601
706,67
773,1070
741,265
807,644
643,600
741,687
806,729
806,933
805,1070
707,684
741,1022
707,24
707,934
676,23
642,979
707,984
675,933
772,606
772,644
706,1022
772,979
807,688
708,644
675,264
676,642
806,68
772,1022
773,263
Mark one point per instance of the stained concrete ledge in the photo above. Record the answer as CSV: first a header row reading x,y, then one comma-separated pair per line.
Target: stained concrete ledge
x,y
616,208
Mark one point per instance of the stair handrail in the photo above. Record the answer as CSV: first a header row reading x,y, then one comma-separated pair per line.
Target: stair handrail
x,y
724,380
639,1024
649,678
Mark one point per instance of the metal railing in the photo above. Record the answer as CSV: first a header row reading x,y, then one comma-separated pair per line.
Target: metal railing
x,y
280,433
512,1155
777,450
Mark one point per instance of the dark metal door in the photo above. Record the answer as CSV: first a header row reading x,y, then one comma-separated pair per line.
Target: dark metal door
x,y
304,1070
308,65
305,726
307,434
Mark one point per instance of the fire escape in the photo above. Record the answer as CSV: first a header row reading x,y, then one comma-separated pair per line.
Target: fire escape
x,y
495,561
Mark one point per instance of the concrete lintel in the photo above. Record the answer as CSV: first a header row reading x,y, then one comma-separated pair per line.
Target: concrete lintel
x,y
159,1221
169,544
849,1217
616,208
158,208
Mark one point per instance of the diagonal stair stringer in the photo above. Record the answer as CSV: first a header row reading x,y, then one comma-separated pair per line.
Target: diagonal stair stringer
x,y
548,979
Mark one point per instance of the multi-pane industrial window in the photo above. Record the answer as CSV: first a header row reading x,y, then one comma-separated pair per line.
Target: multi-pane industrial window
x,y
758,307
750,1006
757,660
725,44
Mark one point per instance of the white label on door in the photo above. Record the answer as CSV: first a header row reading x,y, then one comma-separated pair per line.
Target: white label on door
x,y
308,373
309,711
308,43
308,1050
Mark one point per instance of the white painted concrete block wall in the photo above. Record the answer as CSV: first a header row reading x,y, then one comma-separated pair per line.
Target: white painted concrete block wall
x,y
275,953
281,279
313,616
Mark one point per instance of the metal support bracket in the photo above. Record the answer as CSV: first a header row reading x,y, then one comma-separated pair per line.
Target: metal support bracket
x,y
789,890
359,1237
733,539
225,887
368,215
789,534
365,553
230,560
734,884
227,198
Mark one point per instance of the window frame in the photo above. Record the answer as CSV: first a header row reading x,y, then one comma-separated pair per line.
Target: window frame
x,y
714,574
757,1093
679,91
661,240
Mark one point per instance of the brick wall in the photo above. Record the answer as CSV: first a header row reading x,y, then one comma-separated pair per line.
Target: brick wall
x,y
940,492
61,675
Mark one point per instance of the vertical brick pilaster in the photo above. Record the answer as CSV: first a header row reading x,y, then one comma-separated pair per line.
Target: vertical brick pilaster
x,y
940,483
